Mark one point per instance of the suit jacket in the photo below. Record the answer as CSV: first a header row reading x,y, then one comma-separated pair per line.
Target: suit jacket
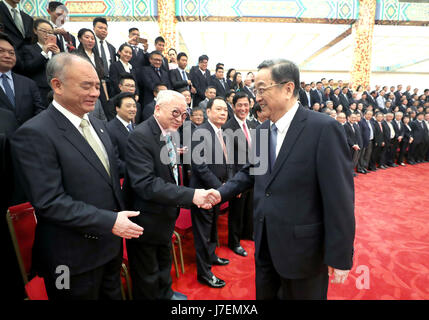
x,y
212,171
176,80
304,99
386,133
110,111
418,131
398,131
365,131
408,133
27,99
70,46
75,212
139,59
220,90
236,136
150,185
335,100
398,96
119,135
200,82
344,101
351,135
12,31
307,201
379,136
315,97
358,134
148,110
249,93
98,62
147,80
115,72
112,52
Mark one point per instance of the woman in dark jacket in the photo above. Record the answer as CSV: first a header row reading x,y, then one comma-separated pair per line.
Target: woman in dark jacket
x,y
86,50
35,57
120,67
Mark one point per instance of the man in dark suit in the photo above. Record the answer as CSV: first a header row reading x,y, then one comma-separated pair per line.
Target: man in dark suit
x,y
392,140
122,125
222,87
140,56
153,184
248,89
418,133
344,99
210,171
103,49
317,94
352,140
399,128
58,13
303,192
305,96
179,78
240,215
367,129
152,75
229,98
18,94
378,153
17,24
398,95
69,171
200,79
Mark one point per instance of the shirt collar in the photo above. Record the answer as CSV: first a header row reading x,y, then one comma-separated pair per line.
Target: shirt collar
x,y
129,65
240,122
74,119
8,74
216,129
10,7
284,122
164,132
123,121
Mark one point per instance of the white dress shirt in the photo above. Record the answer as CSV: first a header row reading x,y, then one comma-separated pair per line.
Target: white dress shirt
x,y
75,120
126,124
240,122
283,125
127,66
106,50
43,53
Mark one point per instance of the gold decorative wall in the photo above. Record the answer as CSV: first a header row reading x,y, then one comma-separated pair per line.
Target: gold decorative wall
x,y
167,22
362,33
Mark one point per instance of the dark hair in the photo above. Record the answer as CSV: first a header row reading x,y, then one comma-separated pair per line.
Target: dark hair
x,y
181,54
159,39
53,5
125,45
126,76
99,19
229,72
36,23
235,85
211,101
195,109
132,29
319,82
256,108
82,31
240,95
181,90
210,87
156,89
5,37
220,64
283,70
203,57
155,52
219,68
121,96
228,94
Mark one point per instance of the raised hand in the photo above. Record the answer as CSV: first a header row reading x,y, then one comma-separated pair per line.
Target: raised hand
x,y
124,228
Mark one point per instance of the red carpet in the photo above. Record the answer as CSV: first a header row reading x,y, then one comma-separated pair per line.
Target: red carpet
x,y
392,243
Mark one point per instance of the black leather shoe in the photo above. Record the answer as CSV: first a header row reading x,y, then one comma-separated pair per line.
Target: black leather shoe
x,y
240,251
220,262
178,296
394,165
213,282
382,166
361,171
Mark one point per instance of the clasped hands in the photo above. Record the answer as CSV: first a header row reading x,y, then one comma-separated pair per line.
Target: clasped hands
x,y
206,199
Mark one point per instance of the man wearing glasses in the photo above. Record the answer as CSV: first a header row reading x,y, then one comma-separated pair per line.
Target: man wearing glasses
x,y
152,75
153,183
304,202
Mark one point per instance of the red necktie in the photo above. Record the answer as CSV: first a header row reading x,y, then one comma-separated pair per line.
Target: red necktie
x,y
381,127
246,133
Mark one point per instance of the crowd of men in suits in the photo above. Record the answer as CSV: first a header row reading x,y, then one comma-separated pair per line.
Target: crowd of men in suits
x,y
138,96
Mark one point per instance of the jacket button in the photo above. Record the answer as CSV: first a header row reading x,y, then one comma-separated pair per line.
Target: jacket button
x,y
268,194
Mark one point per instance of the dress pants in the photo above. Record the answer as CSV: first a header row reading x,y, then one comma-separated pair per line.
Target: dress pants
x,y
102,283
365,156
204,228
404,144
150,270
271,286
240,219
355,158
391,152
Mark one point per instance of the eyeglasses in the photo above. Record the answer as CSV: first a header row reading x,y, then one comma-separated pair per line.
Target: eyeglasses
x,y
176,114
260,91
43,31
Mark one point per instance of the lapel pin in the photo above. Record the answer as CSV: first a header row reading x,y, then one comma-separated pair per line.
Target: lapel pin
x,y
101,130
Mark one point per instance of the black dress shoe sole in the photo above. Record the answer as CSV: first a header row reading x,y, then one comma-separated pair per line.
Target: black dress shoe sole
x,y
210,284
218,263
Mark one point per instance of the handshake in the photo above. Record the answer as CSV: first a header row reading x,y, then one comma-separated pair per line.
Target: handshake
x,y
206,199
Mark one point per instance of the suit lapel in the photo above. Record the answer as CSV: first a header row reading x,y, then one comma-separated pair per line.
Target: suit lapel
x,y
295,129
9,17
79,142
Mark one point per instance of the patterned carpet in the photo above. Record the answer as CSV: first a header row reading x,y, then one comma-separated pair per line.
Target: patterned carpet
x,y
391,247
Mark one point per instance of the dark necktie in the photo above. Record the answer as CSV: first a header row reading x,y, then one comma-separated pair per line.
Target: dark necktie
x,y
273,145
8,90
184,75
104,58
158,72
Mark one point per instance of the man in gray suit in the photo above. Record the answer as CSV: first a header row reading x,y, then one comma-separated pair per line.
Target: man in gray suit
x,y
210,94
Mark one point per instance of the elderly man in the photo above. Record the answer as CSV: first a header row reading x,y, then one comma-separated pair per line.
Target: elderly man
x,y
69,171
304,202
153,184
